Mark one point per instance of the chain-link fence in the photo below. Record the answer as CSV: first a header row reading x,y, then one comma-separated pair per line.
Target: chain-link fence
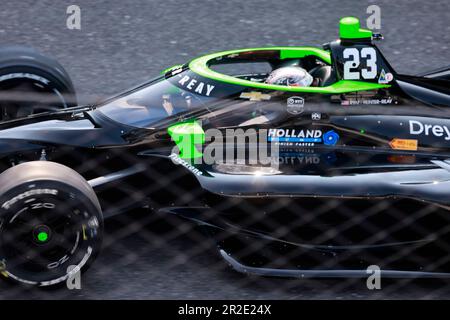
x,y
170,238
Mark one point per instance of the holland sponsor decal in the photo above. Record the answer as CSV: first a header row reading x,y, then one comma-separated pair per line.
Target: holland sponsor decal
x,y
310,136
294,135
298,159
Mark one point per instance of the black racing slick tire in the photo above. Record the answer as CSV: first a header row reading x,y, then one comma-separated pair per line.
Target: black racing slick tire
x,y
31,82
51,224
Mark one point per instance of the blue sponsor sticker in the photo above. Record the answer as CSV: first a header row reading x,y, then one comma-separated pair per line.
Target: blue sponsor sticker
x,y
293,139
330,138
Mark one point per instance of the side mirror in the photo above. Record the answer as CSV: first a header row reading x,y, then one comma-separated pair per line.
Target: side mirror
x,y
377,36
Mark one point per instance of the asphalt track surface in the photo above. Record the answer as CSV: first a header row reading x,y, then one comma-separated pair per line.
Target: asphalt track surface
x,y
123,43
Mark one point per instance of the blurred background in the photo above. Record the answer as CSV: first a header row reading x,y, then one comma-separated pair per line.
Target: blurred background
x,y
124,43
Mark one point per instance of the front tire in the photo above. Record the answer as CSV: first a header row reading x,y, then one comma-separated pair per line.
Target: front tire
x,y
51,224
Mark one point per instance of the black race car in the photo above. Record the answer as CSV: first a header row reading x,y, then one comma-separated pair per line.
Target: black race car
x,y
356,168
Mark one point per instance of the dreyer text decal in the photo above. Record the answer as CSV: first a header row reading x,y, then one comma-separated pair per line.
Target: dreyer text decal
x,y
196,86
426,129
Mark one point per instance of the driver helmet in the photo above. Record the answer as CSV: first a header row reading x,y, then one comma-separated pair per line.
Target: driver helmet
x,y
290,76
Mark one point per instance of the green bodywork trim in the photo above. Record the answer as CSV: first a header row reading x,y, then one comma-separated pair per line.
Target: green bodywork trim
x,y
171,68
201,67
285,53
301,52
186,136
349,28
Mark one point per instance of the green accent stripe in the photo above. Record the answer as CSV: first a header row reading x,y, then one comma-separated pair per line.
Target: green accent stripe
x,y
186,136
301,52
201,67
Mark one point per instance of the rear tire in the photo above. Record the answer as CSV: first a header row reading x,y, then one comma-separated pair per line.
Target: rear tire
x,y
32,83
50,219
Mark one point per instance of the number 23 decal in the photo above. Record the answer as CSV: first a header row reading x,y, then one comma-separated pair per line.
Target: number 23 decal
x,y
353,54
